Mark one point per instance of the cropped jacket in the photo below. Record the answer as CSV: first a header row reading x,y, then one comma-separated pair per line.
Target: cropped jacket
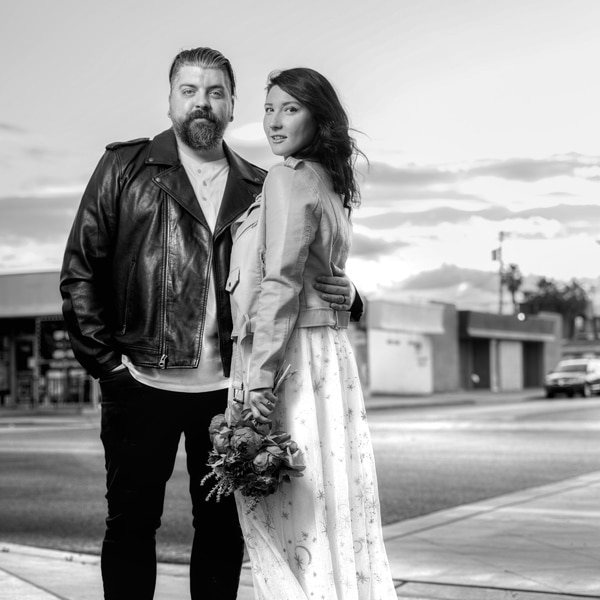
x,y
297,231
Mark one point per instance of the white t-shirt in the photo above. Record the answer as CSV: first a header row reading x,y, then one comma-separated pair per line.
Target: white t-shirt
x,y
208,180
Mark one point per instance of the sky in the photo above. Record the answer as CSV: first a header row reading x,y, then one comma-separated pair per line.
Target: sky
x,y
477,117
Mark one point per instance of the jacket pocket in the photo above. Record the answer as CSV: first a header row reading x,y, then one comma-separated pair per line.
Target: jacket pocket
x,y
247,225
232,280
127,302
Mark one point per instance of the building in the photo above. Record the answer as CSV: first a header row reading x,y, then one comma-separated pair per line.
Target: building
x,y
37,366
401,348
428,348
411,348
505,352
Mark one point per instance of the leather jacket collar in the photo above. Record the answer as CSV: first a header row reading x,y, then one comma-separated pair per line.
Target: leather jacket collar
x,y
163,151
236,198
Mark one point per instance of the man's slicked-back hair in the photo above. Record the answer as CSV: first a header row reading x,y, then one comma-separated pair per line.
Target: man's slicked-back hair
x,y
202,57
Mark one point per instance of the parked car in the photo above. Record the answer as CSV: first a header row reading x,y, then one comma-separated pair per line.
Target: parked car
x,y
574,376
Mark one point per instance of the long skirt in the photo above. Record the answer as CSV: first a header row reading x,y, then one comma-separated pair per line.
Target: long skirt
x,y
319,537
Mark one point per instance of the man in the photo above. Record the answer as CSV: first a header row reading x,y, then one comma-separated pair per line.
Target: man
x,y
143,285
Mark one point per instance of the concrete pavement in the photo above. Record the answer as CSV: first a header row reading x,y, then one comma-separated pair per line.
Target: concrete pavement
x,y
538,544
462,397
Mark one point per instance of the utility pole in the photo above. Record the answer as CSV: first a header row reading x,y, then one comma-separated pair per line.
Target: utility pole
x,y
497,255
495,376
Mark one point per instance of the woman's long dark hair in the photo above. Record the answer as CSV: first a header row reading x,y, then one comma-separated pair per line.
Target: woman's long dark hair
x,y
332,146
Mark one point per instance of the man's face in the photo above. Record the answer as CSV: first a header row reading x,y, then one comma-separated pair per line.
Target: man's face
x,y
200,106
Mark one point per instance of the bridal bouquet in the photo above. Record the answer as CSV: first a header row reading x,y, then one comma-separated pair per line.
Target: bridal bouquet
x,y
247,456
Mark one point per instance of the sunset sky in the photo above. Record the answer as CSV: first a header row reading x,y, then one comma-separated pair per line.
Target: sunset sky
x,y
477,117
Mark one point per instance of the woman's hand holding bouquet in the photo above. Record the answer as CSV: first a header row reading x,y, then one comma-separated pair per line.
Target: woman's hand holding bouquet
x,y
262,402
247,456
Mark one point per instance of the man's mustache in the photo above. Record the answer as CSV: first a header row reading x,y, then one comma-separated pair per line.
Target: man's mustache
x,y
202,114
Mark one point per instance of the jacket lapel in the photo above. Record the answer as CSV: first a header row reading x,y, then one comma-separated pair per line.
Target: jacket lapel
x,y
176,183
243,183
243,186
174,180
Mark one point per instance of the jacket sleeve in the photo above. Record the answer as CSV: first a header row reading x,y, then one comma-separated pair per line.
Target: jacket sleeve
x,y
292,216
85,281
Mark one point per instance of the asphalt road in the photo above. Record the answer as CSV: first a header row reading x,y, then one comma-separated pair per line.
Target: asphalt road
x,y
430,458
434,458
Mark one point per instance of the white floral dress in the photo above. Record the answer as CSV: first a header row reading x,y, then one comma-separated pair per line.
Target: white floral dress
x,y
319,537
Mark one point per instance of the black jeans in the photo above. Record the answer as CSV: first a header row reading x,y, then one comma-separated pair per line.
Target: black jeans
x,y
141,429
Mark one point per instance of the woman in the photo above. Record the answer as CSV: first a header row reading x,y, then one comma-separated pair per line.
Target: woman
x,y
320,535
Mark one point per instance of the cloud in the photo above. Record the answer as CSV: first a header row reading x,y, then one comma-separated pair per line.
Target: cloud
x,y
571,218
445,181
571,213
34,218
28,255
37,153
7,127
467,289
378,192
412,218
409,175
497,191
34,231
432,217
528,169
448,276
554,222
364,246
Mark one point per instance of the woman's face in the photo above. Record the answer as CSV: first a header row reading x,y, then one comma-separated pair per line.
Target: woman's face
x,y
288,124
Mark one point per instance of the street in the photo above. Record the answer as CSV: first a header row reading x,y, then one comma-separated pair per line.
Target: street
x,y
428,458
434,458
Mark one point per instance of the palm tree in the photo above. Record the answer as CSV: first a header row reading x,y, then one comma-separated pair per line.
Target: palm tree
x,y
513,280
569,300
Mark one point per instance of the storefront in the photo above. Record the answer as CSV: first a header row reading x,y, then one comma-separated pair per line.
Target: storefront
x,y
37,366
505,352
400,346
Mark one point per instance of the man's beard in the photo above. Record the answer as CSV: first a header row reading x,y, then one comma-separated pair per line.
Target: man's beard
x,y
205,135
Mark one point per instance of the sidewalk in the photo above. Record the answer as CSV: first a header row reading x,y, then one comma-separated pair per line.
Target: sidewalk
x,y
539,544
462,397
372,400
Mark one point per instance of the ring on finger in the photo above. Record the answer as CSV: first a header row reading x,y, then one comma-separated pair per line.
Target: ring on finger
x,y
343,299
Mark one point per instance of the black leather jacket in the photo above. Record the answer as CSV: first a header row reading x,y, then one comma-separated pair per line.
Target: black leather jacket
x,y
136,267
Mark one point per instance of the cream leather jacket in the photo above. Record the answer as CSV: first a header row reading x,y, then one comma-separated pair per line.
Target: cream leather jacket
x,y
294,233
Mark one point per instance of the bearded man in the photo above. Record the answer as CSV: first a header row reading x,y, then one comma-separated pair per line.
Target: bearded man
x,y
144,300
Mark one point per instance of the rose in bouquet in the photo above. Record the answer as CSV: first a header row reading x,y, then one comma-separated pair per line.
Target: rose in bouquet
x,y
247,456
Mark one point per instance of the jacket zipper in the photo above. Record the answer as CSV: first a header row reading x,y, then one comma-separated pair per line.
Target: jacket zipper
x,y
162,363
127,295
203,321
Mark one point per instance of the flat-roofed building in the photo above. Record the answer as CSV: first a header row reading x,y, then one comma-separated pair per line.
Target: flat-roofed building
x,y
507,352
37,366
401,348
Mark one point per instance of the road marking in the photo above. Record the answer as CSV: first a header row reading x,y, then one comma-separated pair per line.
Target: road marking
x,y
10,428
484,426
552,512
